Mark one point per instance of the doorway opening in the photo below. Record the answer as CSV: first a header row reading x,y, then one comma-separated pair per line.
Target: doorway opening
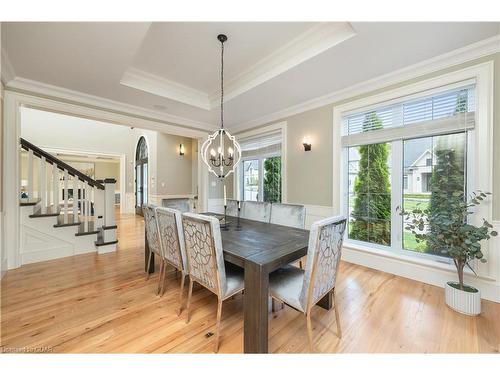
x,y
141,175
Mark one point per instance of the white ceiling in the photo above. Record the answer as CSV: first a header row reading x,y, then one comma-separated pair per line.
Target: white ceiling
x,y
173,68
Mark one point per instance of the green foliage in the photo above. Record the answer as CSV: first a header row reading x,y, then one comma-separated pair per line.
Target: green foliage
x,y
272,180
451,233
447,194
372,203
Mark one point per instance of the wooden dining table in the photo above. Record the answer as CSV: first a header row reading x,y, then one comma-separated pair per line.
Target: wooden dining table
x,y
259,248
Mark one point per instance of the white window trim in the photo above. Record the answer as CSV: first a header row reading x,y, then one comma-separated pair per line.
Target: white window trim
x,y
481,162
238,176
260,158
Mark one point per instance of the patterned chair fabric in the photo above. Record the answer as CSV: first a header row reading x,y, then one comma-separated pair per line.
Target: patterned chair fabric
x,y
180,204
205,255
303,289
258,211
172,236
232,207
290,215
152,234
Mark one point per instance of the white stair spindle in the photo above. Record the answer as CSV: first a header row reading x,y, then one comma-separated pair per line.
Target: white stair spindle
x,y
42,184
85,204
66,179
55,185
30,174
76,184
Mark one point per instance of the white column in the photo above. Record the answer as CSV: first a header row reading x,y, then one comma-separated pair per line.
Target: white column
x,y
42,184
55,185
30,174
66,178
99,207
109,230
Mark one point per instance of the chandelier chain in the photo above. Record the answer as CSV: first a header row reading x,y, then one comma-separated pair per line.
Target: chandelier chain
x,y
222,86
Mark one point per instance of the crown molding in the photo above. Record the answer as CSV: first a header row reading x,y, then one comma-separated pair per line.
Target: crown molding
x,y
62,94
311,43
461,55
8,73
307,45
153,84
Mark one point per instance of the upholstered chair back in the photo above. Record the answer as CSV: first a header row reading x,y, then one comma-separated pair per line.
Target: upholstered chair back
x,y
171,236
259,211
323,259
151,229
232,207
180,204
204,251
290,215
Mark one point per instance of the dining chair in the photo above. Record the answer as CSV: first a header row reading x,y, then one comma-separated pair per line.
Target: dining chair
x,y
290,215
152,236
258,211
181,204
302,289
172,244
206,263
232,207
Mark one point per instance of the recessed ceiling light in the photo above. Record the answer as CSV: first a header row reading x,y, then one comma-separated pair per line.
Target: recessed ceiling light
x,y
159,107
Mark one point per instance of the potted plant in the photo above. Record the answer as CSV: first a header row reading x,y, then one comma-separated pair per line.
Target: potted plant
x,y
447,232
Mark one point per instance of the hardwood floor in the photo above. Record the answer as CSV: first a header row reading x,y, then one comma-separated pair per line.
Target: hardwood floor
x,y
92,303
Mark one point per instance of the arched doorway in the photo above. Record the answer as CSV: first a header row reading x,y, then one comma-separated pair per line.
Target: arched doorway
x,y
141,175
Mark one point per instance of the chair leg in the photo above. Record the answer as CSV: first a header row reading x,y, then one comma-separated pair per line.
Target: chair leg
x,y
160,277
164,282
183,277
309,330
337,316
217,329
190,292
149,262
300,264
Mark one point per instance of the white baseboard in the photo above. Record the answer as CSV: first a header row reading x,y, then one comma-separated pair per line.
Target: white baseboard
x,y
3,268
106,249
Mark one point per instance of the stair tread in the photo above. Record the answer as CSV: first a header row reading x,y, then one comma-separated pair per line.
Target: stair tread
x,y
67,220
88,228
49,211
100,242
29,202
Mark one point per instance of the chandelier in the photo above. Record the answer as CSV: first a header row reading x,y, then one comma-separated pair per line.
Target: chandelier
x,y
221,152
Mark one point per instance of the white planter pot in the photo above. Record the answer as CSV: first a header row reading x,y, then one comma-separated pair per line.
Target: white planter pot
x,y
462,301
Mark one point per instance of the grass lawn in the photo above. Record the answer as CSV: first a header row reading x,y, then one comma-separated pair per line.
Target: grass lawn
x,y
410,243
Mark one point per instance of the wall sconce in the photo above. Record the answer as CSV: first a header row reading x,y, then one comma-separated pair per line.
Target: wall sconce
x,y
181,149
307,144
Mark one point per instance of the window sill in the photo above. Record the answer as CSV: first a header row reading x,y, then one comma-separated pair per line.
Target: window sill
x,y
395,255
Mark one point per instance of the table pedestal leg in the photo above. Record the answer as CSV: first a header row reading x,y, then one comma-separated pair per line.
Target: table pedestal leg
x,y
256,308
326,302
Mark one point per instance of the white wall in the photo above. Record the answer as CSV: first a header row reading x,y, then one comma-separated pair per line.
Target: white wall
x,y
49,130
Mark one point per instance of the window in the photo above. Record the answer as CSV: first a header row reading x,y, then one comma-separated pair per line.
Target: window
x,y
404,154
251,180
261,168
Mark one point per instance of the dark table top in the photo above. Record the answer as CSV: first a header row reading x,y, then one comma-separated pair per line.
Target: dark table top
x,y
265,244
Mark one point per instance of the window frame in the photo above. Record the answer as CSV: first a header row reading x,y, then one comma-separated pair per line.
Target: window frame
x,y
261,158
242,136
480,159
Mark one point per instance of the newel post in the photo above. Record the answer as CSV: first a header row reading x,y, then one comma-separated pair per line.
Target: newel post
x,y
108,228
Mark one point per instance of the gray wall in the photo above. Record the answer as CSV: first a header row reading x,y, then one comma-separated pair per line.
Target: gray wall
x,y
305,185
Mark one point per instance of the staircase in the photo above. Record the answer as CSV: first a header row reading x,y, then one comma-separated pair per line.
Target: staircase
x,y
63,211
